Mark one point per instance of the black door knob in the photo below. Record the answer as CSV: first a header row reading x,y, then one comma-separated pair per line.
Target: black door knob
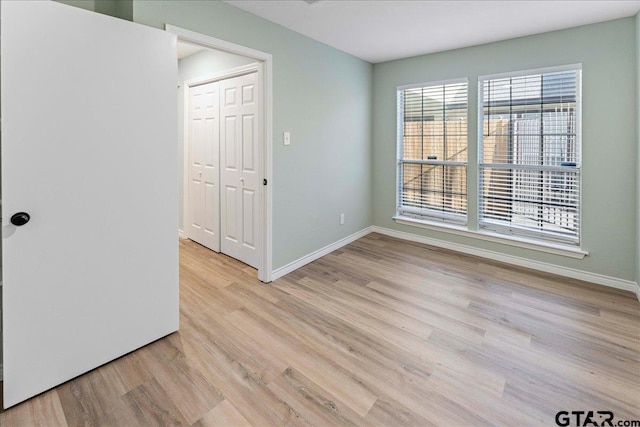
x,y
20,218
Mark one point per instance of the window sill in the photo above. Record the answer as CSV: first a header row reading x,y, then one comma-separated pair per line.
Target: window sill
x,y
520,242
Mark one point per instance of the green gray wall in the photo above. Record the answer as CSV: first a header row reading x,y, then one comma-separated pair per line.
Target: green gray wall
x,y
324,98
118,8
193,66
609,188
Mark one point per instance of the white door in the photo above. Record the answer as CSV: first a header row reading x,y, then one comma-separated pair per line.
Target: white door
x,y
204,188
89,152
240,140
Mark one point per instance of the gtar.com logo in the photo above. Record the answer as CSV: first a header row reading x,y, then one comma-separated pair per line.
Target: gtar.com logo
x,y
591,418
584,418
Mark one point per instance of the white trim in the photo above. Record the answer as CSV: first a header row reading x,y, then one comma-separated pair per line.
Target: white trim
x,y
300,262
436,83
185,161
431,216
265,269
520,73
215,43
181,234
600,279
520,242
223,75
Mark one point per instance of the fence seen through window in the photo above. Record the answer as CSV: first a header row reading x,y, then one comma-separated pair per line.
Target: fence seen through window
x,y
530,156
433,152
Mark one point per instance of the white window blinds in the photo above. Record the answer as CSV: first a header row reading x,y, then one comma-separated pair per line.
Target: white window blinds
x,y
529,155
432,152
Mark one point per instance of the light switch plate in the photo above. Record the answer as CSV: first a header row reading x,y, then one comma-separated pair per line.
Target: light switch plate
x,y
287,138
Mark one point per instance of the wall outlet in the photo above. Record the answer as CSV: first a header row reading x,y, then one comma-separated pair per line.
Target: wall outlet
x,y
341,219
286,138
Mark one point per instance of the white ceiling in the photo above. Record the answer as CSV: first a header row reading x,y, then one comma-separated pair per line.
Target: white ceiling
x,y
383,30
187,49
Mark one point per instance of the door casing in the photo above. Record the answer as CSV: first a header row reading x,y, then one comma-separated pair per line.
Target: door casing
x,y
265,157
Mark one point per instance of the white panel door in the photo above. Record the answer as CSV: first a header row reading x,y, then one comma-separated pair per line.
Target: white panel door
x,y
240,140
89,152
204,148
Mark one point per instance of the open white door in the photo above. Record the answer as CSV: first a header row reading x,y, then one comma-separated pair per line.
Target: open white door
x,y
89,152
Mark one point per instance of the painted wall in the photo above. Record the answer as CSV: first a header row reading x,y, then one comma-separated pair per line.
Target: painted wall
x,y
609,188
198,65
323,97
118,8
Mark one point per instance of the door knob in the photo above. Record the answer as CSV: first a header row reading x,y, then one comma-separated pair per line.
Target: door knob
x,y
20,218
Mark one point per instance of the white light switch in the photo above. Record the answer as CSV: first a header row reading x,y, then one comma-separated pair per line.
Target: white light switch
x,y
287,138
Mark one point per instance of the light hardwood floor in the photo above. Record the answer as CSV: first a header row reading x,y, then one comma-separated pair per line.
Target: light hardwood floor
x,y
379,333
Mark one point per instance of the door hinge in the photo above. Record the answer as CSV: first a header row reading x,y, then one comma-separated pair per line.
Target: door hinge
x,y
264,181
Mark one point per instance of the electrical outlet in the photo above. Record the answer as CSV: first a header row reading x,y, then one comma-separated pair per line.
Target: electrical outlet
x,y
342,219
286,138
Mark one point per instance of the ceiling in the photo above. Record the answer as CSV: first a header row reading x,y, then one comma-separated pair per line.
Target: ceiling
x,y
383,30
187,49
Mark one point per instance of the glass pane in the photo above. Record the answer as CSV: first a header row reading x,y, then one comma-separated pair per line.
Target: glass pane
x,y
496,141
435,187
539,200
435,123
531,120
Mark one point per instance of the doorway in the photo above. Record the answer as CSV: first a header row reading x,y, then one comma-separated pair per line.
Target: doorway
x,y
223,140
226,181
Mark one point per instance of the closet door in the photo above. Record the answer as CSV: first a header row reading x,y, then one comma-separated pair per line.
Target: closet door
x,y
204,148
240,140
89,176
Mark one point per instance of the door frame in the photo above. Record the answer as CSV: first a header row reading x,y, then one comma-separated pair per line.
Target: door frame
x,y
264,67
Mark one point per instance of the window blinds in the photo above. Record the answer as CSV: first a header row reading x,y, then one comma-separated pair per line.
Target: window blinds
x,y
529,155
432,152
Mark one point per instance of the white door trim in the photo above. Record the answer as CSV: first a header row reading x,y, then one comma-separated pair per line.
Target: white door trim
x,y
224,74
266,154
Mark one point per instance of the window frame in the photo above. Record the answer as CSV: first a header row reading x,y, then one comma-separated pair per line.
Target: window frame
x,y
428,216
470,228
504,230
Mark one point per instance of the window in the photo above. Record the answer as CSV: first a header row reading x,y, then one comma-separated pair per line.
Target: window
x,y
432,152
529,155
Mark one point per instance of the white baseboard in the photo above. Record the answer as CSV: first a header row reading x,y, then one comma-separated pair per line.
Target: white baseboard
x,y
599,279
279,272
181,234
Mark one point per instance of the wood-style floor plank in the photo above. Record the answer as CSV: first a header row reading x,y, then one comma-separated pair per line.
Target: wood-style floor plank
x,y
381,332
223,415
